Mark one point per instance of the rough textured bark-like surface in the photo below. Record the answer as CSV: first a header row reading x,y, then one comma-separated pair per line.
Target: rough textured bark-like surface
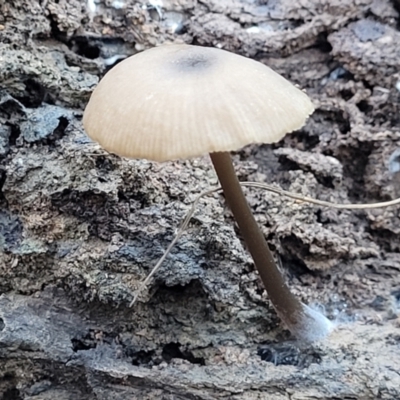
x,y
79,228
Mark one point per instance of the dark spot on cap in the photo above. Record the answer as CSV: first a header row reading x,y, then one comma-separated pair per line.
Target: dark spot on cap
x,y
193,61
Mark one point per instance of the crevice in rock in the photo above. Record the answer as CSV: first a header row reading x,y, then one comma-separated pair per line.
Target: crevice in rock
x,y
34,94
60,130
355,161
142,357
322,43
84,342
364,106
295,252
12,394
56,33
288,354
175,350
85,47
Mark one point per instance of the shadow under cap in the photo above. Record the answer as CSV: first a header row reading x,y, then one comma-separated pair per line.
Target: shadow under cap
x,y
181,101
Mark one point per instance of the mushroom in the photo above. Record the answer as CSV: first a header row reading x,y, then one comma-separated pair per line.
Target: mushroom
x,y
181,101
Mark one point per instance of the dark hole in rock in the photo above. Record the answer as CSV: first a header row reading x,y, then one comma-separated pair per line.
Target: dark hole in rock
x,y
326,181
287,354
346,94
295,23
173,350
104,163
178,289
83,342
287,164
322,43
34,94
84,47
363,106
56,33
2,324
142,357
11,394
307,140
368,85
295,251
8,376
397,5
15,133
355,161
322,217
59,131
79,345
122,196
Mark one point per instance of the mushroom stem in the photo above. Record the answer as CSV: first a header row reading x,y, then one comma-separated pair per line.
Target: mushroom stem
x,y
301,320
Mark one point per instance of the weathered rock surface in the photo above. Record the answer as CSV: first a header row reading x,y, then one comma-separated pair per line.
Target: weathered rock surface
x,y
80,228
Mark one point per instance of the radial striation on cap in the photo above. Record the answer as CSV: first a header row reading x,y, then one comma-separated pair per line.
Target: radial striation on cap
x,y
181,101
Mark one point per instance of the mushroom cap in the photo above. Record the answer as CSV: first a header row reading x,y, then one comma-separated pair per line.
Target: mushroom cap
x,y
181,101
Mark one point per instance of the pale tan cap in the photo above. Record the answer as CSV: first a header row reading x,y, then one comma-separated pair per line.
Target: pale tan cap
x,y
181,101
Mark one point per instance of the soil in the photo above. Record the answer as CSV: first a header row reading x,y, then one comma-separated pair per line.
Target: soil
x,y
80,228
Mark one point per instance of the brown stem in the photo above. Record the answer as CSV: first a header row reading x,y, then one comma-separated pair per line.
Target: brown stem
x,y
287,306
